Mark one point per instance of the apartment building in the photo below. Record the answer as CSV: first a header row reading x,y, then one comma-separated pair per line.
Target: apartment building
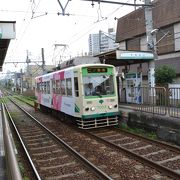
x,y
102,42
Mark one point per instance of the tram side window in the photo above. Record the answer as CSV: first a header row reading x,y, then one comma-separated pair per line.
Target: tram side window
x,y
53,86
37,87
63,89
76,88
45,87
58,86
109,85
69,87
42,87
48,87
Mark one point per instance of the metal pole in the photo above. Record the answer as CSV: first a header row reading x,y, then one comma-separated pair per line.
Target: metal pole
x,y
14,171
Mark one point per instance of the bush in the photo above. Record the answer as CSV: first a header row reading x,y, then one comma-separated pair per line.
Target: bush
x,y
164,75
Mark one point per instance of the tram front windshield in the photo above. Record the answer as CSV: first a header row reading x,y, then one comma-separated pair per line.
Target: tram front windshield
x,y
98,85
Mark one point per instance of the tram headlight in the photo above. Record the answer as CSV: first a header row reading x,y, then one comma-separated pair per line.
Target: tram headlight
x,y
110,107
115,106
92,108
86,108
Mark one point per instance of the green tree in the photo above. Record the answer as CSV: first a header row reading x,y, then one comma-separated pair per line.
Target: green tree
x,y
164,75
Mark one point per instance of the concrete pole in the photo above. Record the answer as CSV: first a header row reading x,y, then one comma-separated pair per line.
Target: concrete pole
x,y
43,61
21,77
150,42
134,4
15,82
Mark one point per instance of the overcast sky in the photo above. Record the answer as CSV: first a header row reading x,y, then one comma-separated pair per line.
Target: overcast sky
x,y
44,28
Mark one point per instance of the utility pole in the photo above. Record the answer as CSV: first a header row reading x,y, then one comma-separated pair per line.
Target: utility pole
x,y
150,42
21,82
134,4
62,51
43,61
27,61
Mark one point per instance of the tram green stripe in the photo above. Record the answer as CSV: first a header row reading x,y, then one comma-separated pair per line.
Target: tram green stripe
x,y
100,115
77,110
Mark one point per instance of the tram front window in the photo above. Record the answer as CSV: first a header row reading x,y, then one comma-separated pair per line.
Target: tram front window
x,y
98,85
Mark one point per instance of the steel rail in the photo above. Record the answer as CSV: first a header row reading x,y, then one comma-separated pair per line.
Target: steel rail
x,y
152,141
78,156
150,163
166,170
24,147
173,148
12,163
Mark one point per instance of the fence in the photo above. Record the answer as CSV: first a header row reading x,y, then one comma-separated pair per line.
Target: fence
x,y
157,100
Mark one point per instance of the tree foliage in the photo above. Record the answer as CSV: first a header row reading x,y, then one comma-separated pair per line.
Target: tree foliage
x,y
164,75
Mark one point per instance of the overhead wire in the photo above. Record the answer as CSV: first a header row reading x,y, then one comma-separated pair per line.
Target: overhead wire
x,y
27,24
48,13
83,33
90,29
20,29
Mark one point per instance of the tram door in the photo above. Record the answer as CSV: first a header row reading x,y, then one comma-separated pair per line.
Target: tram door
x,y
133,84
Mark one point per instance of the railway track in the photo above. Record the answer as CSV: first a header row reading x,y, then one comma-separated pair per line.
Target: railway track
x,y
109,159
50,156
162,156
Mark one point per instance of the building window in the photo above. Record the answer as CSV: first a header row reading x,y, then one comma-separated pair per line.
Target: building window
x,y
133,44
166,43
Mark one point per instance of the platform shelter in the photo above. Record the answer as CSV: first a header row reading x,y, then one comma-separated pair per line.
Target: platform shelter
x,y
7,32
130,78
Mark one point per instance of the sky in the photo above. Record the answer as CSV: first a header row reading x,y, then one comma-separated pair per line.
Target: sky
x,y
38,25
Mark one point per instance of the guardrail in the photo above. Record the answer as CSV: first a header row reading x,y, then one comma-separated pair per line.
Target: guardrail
x,y
157,100
13,170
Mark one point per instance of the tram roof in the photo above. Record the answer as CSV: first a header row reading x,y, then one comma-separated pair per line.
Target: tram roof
x,y
122,57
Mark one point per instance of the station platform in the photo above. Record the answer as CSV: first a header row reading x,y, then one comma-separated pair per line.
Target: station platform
x,y
166,127
127,108
2,153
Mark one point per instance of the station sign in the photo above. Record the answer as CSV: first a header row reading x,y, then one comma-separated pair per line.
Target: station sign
x,y
134,55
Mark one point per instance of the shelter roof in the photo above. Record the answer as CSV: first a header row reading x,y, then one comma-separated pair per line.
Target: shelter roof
x,y
123,58
7,32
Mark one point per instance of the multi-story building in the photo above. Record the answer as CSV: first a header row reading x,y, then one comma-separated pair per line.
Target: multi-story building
x,y
29,76
131,33
102,42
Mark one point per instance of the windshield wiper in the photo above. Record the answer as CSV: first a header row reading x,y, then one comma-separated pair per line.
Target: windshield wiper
x,y
99,94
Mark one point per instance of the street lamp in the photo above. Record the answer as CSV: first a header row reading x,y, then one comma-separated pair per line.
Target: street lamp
x,y
154,31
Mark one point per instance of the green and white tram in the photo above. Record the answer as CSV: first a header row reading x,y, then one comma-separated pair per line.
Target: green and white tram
x,y
88,93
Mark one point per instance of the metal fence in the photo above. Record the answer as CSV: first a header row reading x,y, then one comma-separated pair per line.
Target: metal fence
x,y
174,102
157,100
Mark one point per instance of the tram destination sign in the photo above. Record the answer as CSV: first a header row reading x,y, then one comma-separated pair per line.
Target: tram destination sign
x,y
97,70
